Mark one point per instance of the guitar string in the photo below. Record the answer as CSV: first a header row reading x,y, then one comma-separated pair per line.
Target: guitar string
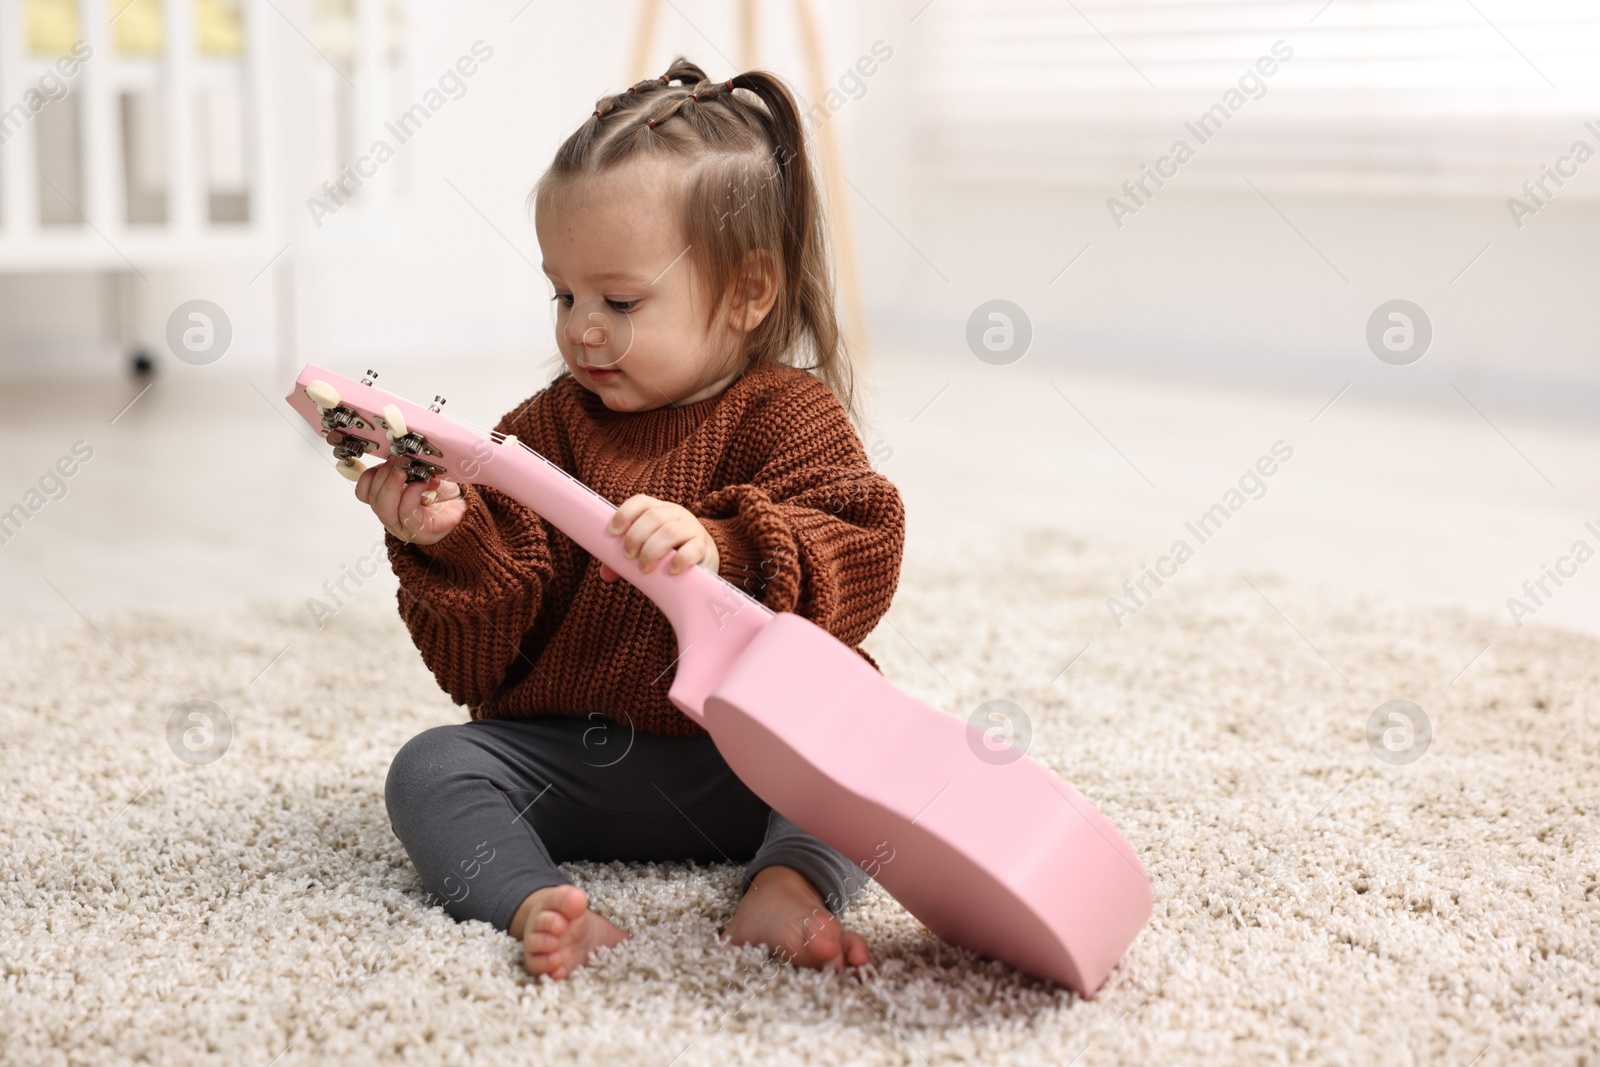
x,y
499,438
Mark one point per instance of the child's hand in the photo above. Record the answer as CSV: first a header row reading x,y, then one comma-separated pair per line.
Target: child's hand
x,y
398,503
650,527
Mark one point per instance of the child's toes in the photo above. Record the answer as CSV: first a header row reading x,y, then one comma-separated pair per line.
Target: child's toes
x,y
542,962
541,941
856,952
554,959
553,923
574,904
820,946
828,947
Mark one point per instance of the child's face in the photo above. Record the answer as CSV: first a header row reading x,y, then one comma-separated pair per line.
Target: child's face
x,y
631,312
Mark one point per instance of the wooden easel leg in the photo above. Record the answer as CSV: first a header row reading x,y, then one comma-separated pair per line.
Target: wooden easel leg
x,y
649,19
749,33
844,250
841,234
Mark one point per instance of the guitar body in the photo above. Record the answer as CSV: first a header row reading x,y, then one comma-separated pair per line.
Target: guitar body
x,y
991,850
1003,858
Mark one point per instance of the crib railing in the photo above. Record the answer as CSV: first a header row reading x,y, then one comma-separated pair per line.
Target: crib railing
x,y
118,121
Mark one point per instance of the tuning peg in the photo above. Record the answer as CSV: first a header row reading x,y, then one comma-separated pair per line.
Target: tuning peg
x,y
371,374
395,421
351,468
325,396
438,402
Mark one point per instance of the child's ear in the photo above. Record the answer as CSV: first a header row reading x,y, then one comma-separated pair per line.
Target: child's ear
x,y
754,291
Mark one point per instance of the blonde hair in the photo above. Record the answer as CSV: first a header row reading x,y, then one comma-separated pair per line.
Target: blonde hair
x,y
750,190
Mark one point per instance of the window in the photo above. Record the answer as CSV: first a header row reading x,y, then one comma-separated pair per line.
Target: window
x,y
1425,96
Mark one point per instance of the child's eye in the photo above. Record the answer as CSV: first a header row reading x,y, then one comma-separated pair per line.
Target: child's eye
x,y
623,306
565,299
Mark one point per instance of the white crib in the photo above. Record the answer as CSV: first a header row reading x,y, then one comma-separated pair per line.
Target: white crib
x,y
138,137
112,220
168,147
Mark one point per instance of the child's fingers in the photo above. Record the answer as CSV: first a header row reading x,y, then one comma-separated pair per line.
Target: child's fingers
x,y
699,551
651,528
688,554
413,512
642,530
607,574
447,491
364,483
668,537
629,511
391,485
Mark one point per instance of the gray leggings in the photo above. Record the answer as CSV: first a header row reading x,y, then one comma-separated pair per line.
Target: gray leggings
x,y
486,809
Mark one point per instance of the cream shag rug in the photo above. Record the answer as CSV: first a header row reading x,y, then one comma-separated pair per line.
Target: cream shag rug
x,y
1313,904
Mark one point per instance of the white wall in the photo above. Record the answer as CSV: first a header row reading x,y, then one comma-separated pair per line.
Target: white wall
x,y
1208,280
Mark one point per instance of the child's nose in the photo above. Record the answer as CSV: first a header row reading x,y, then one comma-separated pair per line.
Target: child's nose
x,y
589,325
595,325
595,333
587,330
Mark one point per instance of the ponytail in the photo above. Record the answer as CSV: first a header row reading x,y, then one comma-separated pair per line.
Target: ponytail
x,y
722,131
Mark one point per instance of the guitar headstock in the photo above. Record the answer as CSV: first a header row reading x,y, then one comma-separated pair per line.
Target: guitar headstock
x,y
359,419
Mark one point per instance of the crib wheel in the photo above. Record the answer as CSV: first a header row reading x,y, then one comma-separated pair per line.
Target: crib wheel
x,y
323,395
351,468
395,421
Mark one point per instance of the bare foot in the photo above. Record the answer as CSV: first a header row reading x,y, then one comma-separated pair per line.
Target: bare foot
x,y
784,911
558,931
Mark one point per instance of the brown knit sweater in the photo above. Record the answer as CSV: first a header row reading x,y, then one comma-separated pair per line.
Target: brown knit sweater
x,y
512,616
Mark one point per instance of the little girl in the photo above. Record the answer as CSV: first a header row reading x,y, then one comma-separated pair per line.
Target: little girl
x,y
682,231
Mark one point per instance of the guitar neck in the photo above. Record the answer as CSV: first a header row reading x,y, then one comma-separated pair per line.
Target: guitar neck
x,y
710,616
712,619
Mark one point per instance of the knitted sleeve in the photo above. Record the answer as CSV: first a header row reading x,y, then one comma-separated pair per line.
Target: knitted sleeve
x,y
470,598
815,530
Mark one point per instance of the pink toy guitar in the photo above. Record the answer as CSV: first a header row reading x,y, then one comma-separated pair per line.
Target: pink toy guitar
x,y
993,852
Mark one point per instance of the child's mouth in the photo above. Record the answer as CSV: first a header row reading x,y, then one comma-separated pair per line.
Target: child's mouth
x,y
601,374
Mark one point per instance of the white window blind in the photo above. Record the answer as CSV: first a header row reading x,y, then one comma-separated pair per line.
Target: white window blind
x,y
1427,96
